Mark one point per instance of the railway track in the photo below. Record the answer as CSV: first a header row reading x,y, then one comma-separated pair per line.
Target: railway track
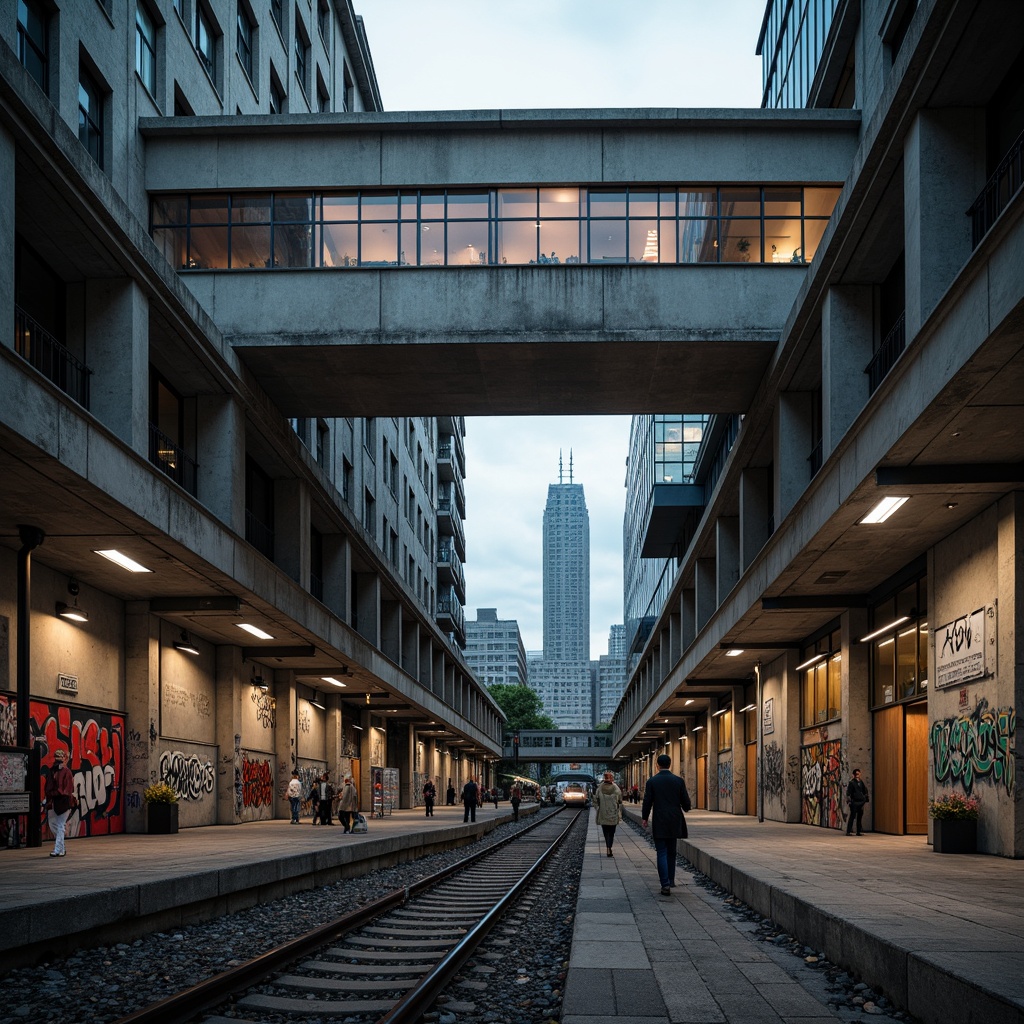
x,y
386,962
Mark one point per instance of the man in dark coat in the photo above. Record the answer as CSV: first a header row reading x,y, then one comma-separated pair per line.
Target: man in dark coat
x,y
856,797
470,799
666,795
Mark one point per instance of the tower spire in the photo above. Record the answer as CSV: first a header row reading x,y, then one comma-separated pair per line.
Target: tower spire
x,y
559,465
570,465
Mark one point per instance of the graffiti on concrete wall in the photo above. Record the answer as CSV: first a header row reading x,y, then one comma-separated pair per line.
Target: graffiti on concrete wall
x,y
724,783
821,784
266,708
189,775
257,788
773,775
975,747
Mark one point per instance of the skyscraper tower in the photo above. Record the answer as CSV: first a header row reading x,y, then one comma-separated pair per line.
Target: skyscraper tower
x,y
566,571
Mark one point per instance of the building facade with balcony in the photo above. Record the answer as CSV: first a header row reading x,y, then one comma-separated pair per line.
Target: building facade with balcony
x,y
495,650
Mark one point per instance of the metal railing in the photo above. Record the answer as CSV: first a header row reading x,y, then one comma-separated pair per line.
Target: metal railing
x,y
40,349
998,191
167,456
888,352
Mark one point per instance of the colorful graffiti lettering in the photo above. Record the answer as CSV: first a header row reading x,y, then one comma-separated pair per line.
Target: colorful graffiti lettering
x,y
724,781
257,783
975,747
821,784
189,776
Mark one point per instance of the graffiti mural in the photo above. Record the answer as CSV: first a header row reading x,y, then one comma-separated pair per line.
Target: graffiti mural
x,y
257,777
724,782
95,743
266,708
773,774
821,784
975,747
187,774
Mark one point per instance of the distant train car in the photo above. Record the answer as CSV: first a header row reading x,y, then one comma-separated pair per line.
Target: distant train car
x,y
575,795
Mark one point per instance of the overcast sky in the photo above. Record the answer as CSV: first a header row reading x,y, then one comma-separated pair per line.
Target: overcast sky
x,y
484,54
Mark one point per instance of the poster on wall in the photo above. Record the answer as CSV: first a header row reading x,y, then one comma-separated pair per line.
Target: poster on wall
x,y
768,716
960,650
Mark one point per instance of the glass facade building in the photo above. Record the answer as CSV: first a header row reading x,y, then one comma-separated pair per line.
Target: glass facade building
x,y
791,46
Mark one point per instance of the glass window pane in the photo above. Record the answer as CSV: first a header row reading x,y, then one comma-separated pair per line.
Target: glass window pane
x,y
644,204
378,245
340,245
667,241
517,202
643,241
517,241
807,701
701,203
781,240
293,245
432,205
559,202
835,665
169,210
884,664
409,206
468,205
250,210
607,241
819,202
208,248
741,202
467,243
293,208
379,207
922,655
560,241
741,241
813,230
782,202
408,247
172,243
698,241
432,244
340,208
607,204
667,204
208,209
250,245
906,662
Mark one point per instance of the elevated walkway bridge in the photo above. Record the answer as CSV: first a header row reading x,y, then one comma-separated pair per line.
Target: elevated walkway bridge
x,y
497,262
559,745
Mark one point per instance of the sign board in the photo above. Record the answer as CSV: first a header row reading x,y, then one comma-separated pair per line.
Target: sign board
x,y
13,771
960,650
67,684
14,803
768,716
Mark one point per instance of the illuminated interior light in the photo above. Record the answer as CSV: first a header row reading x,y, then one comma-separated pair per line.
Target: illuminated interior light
x,y
121,559
734,653
254,630
331,679
884,509
689,701
811,661
885,628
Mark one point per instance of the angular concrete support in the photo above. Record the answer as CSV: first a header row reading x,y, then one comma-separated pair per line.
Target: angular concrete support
x,y
943,172
706,590
675,649
848,318
292,543
367,606
142,708
411,647
221,448
338,575
117,352
687,616
855,683
391,630
727,555
792,448
230,673
755,512
426,662
284,738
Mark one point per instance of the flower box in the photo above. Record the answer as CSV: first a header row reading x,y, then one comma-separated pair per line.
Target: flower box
x,y
161,819
955,835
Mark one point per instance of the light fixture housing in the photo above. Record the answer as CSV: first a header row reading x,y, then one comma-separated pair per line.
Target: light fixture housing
x,y
749,707
254,630
72,611
885,508
314,702
259,683
811,661
331,679
885,628
735,652
185,645
121,559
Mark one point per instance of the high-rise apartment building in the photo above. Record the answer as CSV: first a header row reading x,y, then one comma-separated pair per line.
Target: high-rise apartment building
x,y
610,677
494,649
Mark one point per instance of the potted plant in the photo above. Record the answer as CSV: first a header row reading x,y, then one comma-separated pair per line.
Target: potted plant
x,y
956,823
161,809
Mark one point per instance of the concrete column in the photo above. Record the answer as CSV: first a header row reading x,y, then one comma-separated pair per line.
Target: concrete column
x,y
943,172
291,529
221,449
117,351
755,512
675,650
687,616
790,727
142,709
406,761
855,683
391,630
367,606
230,673
7,222
727,555
426,660
739,756
365,752
338,574
284,738
411,647
792,447
706,590
848,318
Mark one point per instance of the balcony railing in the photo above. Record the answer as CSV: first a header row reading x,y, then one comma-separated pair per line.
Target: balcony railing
x,y
259,535
998,191
166,455
42,350
888,352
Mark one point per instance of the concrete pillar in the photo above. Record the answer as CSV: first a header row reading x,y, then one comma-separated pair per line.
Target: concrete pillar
x,y
411,647
221,449
286,706
365,755
848,317
727,555
855,696
338,575
755,512
367,606
391,630
7,222
674,638
792,447
117,351
292,542
705,590
739,755
142,709
943,172
687,616
790,727
230,673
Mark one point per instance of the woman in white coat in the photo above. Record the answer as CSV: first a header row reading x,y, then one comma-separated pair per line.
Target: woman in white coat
x,y
608,801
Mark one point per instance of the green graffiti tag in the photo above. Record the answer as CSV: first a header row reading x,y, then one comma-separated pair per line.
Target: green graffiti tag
x,y
975,746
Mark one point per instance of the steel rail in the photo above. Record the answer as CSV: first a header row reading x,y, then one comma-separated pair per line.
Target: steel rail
x,y
184,1005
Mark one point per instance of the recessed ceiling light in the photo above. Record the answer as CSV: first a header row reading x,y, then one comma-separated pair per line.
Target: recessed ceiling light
x,y
254,630
688,703
331,679
885,628
121,559
809,662
884,509
734,653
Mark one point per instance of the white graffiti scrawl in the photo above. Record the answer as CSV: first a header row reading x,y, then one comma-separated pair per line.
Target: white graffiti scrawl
x,y
190,777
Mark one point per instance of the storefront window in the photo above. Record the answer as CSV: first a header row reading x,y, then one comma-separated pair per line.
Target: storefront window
x,y
899,653
821,680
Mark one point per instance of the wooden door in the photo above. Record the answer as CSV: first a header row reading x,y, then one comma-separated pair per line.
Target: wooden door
x,y
702,782
751,778
886,786
917,769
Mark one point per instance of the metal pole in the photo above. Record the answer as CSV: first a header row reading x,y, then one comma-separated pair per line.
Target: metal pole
x,y
31,538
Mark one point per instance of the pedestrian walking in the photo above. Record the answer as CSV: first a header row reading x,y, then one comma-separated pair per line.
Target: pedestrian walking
x,y
856,797
450,795
348,803
314,799
326,794
60,799
608,800
516,798
665,795
470,799
429,793
494,797
295,796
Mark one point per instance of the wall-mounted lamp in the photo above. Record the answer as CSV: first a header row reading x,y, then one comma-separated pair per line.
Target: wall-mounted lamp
x,y
185,644
72,611
314,702
259,683
367,698
359,727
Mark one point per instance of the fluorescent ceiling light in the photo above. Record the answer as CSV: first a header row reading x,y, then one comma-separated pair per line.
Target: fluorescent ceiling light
x,y
331,679
118,558
734,653
697,728
254,630
749,707
688,702
720,711
809,662
884,509
885,628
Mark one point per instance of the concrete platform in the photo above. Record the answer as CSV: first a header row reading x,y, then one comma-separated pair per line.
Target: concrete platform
x,y
114,888
942,936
